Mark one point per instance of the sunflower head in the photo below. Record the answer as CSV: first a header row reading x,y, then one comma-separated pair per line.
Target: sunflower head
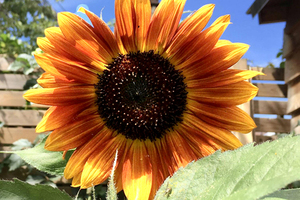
x,y
159,92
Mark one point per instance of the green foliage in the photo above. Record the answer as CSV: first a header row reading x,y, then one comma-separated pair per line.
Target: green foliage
x,y
280,54
12,46
24,19
18,190
246,173
51,162
24,62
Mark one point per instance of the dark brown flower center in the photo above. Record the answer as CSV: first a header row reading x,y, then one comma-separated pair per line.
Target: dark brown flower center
x,y
141,95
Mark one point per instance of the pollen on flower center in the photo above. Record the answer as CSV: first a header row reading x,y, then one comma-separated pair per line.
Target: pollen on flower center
x,y
141,95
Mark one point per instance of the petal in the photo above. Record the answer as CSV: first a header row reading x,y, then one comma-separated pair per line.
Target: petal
x,y
143,15
102,31
198,47
220,136
74,134
190,28
217,60
62,96
99,165
228,95
58,116
126,23
76,181
231,118
69,71
80,156
47,80
47,47
70,53
137,172
225,77
80,34
181,151
221,20
200,144
159,174
164,24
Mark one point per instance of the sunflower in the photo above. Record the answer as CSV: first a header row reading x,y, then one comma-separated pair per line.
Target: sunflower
x,y
158,91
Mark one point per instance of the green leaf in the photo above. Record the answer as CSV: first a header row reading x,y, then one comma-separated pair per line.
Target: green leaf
x,y
46,161
247,173
293,194
29,83
18,190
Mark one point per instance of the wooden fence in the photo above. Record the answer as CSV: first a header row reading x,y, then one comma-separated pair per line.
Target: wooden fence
x,y
269,107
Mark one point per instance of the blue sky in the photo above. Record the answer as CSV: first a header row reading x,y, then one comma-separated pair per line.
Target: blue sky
x,y
265,40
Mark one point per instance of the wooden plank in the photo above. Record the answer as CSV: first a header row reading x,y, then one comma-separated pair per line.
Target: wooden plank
x,y
10,135
275,74
271,90
269,107
293,96
272,14
278,125
241,64
21,117
13,81
295,122
292,66
15,99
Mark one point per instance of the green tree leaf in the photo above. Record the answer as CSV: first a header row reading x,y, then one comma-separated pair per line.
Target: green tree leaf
x,y
51,162
18,190
293,194
246,173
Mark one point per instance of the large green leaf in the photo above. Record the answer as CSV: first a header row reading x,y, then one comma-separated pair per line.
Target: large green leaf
x,y
293,194
246,173
18,190
51,162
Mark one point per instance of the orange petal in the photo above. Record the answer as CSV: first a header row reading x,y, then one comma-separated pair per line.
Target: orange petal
x,y
217,135
126,23
225,77
81,35
200,144
69,71
221,20
47,80
198,47
102,31
164,24
47,47
137,172
231,118
58,116
70,52
99,165
74,134
217,60
228,95
190,28
143,15
62,96
76,181
159,174
80,156
181,151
